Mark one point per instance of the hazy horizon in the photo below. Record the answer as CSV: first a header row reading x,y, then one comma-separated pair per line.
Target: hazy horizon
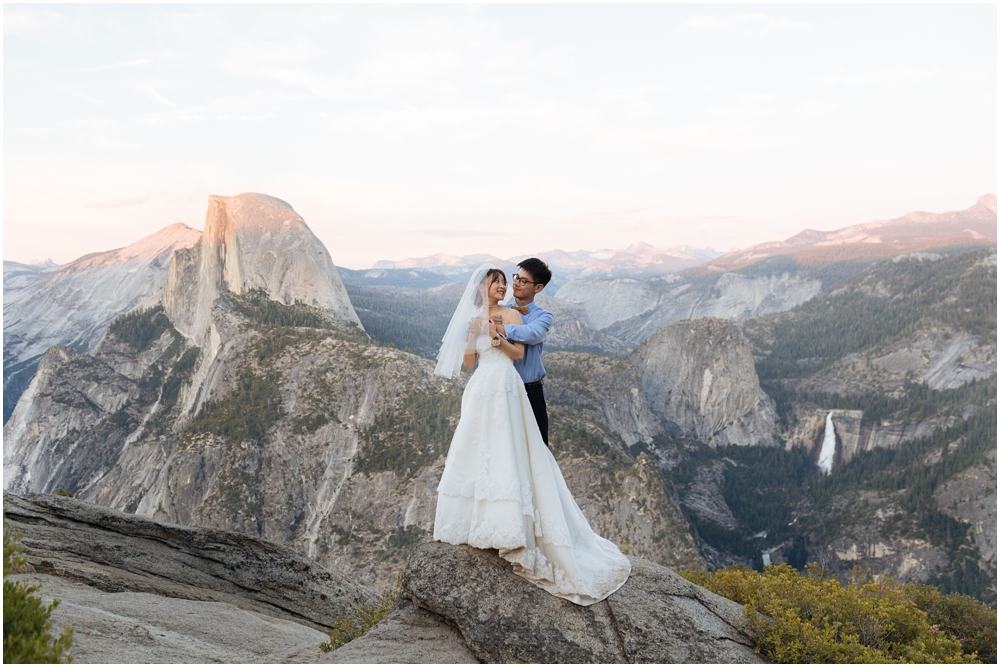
x,y
405,131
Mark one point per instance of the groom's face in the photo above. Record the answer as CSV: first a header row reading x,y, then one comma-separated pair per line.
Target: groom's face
x,y
524,285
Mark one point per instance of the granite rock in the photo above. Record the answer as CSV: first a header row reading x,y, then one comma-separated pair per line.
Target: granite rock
x,y
657,616
118,552
699,378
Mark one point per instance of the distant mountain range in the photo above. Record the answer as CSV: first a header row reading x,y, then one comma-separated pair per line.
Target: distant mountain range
x,y
913,232
809,249
639,260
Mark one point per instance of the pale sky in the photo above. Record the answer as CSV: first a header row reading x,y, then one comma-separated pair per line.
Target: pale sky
x,y
402,131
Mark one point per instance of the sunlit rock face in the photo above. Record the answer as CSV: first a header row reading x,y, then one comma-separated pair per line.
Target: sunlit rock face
x,y
73,305
252,242
699,378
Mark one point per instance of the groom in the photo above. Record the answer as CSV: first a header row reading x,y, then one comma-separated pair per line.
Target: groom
x,y
532,276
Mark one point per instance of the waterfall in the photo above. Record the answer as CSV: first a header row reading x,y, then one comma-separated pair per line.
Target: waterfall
x,y
825,462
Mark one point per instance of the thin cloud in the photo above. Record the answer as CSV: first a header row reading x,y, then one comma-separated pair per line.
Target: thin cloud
x,y
122,65
120,203
27,21
461,233
85,97
882,76
154,95
750,23
625,211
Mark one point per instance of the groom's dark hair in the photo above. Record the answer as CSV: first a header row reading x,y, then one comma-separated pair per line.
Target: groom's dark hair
x,y
538,269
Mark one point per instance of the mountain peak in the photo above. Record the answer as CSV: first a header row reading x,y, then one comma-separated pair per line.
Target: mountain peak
x,y
248,211
161,244
252,241
989,202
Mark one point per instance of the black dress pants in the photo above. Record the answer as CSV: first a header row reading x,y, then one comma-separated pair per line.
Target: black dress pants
x,y
536,396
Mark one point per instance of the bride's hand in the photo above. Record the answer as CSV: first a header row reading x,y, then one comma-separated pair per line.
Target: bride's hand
x,y
477,325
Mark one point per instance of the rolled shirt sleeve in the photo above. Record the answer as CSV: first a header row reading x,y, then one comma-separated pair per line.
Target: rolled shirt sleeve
x,y
533,333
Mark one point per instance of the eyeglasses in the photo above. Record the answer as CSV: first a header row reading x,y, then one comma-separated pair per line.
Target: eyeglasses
x,y
518,280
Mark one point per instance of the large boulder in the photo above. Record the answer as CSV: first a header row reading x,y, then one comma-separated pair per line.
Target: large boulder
x,y
657,616
117,552
699,379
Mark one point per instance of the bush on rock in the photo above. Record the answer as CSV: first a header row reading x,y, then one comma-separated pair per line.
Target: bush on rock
x,y
811,617
26,625
364,618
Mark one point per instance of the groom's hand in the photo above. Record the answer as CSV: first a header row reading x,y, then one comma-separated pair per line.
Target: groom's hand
x,y
498,322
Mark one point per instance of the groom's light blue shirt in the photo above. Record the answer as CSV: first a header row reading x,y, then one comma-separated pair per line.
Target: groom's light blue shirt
x,y
532,333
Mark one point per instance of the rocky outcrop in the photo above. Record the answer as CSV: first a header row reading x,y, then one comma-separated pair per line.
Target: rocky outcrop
x,y
657,616
971,497
127,627
699,379
117,552
252,242
940,357
608,390
136,590
73,305
705,498
632,310
610,301
903,559
407,635
572,330
855,435
42,440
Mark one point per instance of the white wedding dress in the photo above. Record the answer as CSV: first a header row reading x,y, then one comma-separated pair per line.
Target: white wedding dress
x,y
502,489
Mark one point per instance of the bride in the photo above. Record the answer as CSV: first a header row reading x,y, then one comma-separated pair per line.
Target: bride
x,y
501,487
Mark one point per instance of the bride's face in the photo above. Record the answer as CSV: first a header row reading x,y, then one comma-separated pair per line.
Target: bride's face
x,y
498,289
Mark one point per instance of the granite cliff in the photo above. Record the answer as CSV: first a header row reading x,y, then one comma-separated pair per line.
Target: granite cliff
x,y
632,310
252,242
699,378
73,305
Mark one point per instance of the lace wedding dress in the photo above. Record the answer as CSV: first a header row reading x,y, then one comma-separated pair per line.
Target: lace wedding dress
x,y
502,489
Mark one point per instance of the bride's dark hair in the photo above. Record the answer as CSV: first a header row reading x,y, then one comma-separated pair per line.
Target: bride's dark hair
x,y
488,279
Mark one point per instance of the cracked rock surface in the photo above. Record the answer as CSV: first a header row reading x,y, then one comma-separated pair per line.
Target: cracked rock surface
x,y
131,628
115,552
137,590
657,616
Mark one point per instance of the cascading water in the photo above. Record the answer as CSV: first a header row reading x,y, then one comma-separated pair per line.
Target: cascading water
x,y
826,453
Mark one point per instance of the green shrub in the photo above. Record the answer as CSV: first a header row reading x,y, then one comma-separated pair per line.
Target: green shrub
x,y
246,412
812,617
364,618
411,434
140,328
26,625
960,616
259,308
